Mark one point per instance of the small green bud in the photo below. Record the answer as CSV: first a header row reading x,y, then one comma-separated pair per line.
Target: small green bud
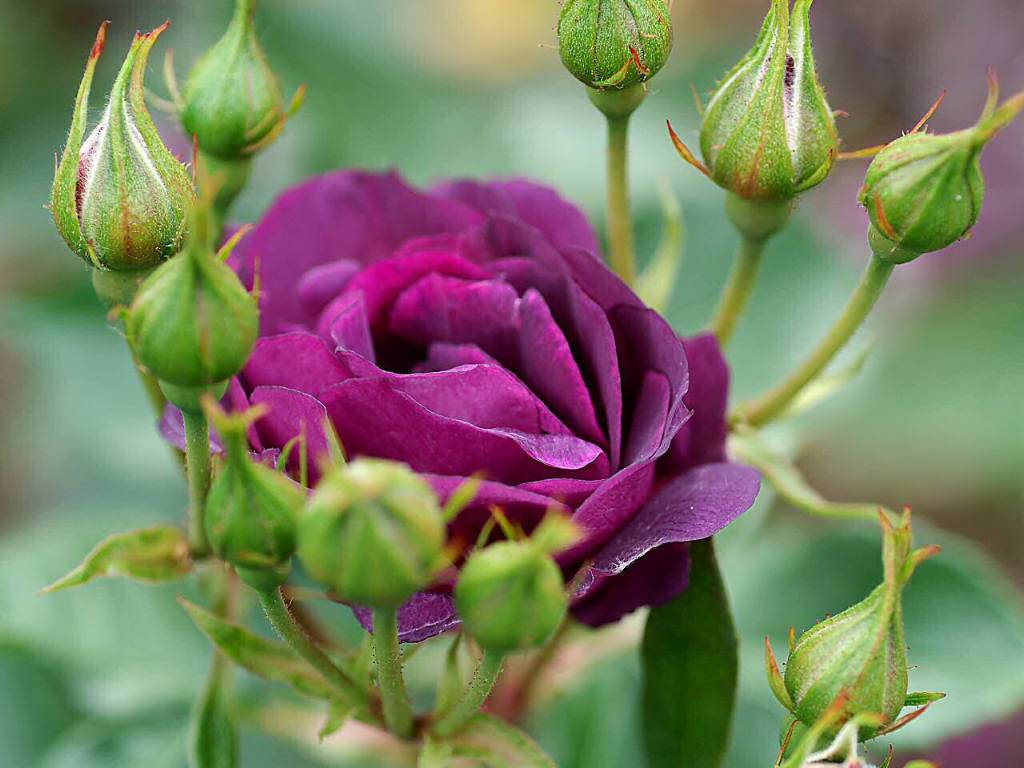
x,y
232,101
924,191
193,324
768,132
858,656
510,595
614,43
120,199
252,510
373,532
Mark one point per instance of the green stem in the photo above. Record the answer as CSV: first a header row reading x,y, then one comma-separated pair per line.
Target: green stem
x,y
282,621
473,698
622,253
395,700
770,405
738,289
197,454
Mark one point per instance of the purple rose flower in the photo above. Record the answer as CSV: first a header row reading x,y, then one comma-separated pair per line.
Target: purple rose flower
x,y
472,329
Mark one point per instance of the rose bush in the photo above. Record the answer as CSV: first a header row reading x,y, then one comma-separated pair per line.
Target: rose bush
x,y
473,329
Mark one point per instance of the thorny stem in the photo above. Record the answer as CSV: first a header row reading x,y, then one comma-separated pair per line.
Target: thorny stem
x,y
770,405
473,698
394,698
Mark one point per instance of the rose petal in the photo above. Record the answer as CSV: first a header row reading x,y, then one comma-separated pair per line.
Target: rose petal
x,y
292,413
344,215
299,361
655,579
426,615
702,438
320,285
350,329
694,506
375,419
443,356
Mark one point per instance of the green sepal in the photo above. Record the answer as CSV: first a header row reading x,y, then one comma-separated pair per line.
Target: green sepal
x,y
213,732
339,712
487,742
65,182
153,555
452,682
264,658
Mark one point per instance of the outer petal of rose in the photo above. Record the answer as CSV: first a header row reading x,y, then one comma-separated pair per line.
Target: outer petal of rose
x,y
292,413
374,419
562,223
321,285
443,356
696,505
344,215
654,579
426,615
300,361
568,490
702,438
382,283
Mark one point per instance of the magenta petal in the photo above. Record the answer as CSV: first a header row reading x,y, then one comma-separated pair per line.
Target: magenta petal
x,y
522,507
382,283
344,215
320,285
350,329
291,414
609,508
650,418
568,490
426,615
694,506
374,419
547,364
655,579
443,356
298,361
702,438
487,396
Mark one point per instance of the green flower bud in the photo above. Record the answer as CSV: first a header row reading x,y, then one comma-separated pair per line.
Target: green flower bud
x,y
252,510
193,324
510,596
373,532
232,101
924,192
120,199
614,43
768,132
858,656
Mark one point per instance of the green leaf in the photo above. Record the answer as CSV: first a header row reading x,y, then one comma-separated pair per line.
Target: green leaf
x,y
485,742
268,659
155,555
213,737
751,448
690,660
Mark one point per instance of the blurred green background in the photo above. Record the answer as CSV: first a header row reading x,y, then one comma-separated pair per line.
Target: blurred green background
x,y
104,676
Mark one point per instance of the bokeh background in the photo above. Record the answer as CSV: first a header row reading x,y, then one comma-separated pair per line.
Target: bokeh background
x,y
104,676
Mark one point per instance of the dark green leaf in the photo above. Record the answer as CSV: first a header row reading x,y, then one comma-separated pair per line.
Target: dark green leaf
x,y
690,659
486,742
265,658
154,555
214,736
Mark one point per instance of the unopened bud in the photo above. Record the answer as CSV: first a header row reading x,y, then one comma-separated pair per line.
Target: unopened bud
x,y
233,102
252,510
614,43
924,191
373,532
859,656
768,132
120,199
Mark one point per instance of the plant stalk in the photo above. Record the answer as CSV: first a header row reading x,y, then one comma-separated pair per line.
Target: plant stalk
x,y
394,698
738,289
473,698
197,455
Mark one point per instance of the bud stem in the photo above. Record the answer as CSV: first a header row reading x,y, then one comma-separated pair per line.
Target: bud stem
x,y
618,105
395,700
473,698
303,645
197,454
770,405
757,222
